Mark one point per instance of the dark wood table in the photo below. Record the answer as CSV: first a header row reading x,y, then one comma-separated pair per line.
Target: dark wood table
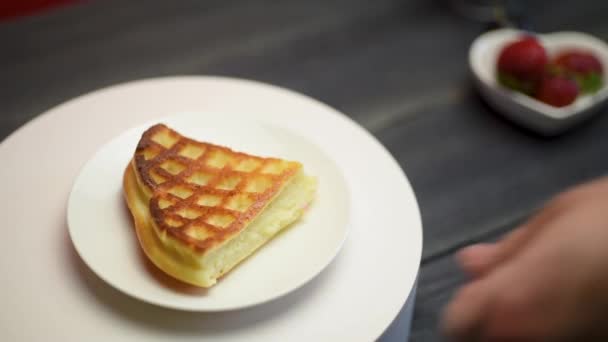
x,y
397,67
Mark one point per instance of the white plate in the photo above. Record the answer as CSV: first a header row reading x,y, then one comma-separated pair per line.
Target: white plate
x,y
97,218
53,296
526,110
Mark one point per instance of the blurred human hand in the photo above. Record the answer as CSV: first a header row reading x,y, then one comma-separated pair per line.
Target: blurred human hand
x,y
546,281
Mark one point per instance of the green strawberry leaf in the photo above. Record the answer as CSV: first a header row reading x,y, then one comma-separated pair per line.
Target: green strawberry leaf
x,y
591,83
555,70
513,83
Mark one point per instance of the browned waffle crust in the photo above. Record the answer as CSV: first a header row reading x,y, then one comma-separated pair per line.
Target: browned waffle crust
x,y
203,194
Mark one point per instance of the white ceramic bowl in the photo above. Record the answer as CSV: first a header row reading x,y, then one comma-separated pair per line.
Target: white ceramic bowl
x,y
525,110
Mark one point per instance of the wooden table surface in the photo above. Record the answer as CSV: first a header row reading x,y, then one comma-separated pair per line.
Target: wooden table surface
x,y
397,67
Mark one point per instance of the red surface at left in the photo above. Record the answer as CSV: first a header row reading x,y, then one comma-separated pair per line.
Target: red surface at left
x,y
10,9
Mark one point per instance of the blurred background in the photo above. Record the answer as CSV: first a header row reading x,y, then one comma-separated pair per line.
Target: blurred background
x,y
386,54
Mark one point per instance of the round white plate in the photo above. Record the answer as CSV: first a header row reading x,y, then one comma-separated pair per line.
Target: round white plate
x,y
52,295
98,221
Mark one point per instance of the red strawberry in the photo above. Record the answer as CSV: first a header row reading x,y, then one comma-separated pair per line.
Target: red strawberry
x,y
583,66
557,91
521,64
582,62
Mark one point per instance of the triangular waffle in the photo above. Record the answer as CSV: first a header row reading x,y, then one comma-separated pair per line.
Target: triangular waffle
x,y
199,209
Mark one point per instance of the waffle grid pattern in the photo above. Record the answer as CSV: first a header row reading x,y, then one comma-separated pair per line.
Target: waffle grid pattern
x,y
204,193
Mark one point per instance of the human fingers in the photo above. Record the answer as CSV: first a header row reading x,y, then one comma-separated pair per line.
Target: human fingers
x,y
479,259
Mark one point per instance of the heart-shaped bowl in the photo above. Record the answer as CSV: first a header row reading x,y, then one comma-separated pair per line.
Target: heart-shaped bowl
x,y
525,110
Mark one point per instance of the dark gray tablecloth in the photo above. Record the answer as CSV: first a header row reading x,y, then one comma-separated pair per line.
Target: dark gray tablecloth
x,y
397,67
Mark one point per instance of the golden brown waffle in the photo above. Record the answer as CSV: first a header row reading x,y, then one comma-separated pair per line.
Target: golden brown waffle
x,y
202,194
